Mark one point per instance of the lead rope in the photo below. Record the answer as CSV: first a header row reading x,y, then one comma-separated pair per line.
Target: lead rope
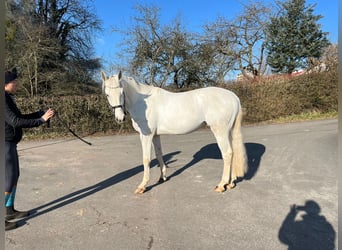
x,y
70,130
64,124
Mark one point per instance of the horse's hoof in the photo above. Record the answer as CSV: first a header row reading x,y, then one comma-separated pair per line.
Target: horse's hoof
x,y
231,185
161,180
219,189
139,191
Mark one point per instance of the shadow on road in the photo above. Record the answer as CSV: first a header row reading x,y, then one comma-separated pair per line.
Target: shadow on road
x,y
254,153
85,192
310,231
210,151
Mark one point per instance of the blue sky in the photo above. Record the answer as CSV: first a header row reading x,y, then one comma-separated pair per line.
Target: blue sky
x,y
194,14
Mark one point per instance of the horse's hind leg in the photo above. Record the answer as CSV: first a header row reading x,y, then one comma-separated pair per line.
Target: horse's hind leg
x,y
221,134
159,155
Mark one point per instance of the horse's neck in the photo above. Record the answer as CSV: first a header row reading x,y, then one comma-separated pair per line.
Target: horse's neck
x,y
135,91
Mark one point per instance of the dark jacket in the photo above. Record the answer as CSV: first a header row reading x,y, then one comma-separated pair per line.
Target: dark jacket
x,y
15,121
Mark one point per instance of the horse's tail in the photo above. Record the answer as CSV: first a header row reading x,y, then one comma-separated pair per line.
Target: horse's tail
x,y
239,162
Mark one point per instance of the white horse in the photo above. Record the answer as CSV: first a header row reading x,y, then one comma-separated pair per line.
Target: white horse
x,y
155,111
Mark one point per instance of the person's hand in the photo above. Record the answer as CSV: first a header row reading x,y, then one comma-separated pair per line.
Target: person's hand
x,y
48,114
293,208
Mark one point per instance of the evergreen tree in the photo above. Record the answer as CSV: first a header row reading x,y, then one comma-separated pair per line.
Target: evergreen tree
x,y
294,36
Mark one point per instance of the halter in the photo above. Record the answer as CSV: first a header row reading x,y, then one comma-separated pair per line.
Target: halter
x,y
118,106
122,106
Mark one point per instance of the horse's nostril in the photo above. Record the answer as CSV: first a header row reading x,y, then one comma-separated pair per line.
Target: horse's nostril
x,y
121,120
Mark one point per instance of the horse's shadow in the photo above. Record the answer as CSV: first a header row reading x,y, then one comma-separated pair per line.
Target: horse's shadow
x,y
85,192
254,152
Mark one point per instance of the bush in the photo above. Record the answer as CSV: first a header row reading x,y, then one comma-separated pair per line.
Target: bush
x,y
276,98
85,115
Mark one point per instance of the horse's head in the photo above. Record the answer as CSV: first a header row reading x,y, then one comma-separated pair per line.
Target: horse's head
x,y
113,90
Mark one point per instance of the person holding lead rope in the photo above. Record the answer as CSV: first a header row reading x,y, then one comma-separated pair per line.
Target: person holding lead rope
x,y
14,122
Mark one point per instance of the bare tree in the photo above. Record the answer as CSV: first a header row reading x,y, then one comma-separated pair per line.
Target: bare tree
x,y
159,53
72,22
50,43
29,49
168,53
250,37
241,41
36,46
219,48
327,62
142,42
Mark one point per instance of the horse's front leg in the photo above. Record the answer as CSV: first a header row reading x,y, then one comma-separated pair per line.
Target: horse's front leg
x,y
146,143
159,155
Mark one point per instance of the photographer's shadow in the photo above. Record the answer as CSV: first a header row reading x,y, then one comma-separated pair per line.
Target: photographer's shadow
x,y
310,231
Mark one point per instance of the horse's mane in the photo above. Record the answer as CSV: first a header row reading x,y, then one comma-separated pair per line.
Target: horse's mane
x,y
141,87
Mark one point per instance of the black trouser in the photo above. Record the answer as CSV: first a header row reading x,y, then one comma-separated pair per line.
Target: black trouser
x,y
11,166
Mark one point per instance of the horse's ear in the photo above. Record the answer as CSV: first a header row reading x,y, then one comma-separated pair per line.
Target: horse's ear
x,y
120,75
103,76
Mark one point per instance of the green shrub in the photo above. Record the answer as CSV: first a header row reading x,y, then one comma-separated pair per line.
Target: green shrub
x,y
270,99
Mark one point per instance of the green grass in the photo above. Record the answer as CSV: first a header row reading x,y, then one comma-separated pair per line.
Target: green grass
x,y
307,116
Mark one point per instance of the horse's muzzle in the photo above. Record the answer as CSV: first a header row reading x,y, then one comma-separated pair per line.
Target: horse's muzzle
x,y
120,116
120,120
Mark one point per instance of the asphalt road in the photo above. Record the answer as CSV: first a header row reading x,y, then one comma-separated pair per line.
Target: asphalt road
x,y
82,196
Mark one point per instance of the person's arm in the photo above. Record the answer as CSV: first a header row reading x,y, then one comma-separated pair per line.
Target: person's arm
x,y
15,119
34,115
286,230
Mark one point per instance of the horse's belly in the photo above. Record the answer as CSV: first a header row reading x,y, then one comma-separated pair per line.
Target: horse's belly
x,y
179,125
177,131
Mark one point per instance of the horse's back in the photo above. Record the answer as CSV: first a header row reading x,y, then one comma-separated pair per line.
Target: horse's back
x,y
186,111
210,99
220,93
203,93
